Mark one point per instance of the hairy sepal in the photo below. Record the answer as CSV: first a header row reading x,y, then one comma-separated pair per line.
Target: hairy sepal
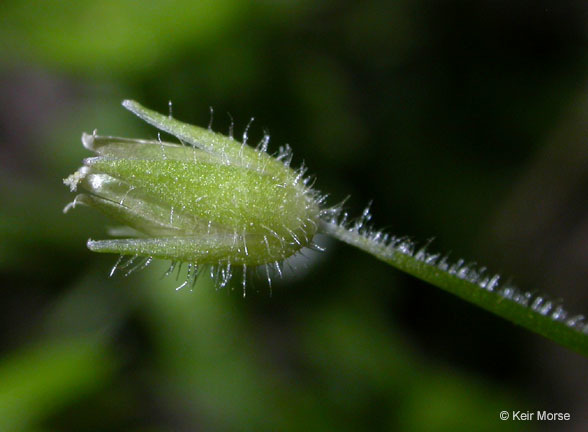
x,y
208,199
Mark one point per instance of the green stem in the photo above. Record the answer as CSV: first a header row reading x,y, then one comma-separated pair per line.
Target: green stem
x,y
533,312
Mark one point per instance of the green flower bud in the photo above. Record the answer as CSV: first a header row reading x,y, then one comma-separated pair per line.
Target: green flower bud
x,y
206,200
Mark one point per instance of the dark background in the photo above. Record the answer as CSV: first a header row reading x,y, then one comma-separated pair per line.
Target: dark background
x,y
463,121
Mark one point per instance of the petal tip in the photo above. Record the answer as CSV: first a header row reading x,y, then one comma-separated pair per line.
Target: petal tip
x,y
129,104
88,140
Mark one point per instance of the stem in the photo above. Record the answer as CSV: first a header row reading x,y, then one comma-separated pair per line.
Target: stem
x,y
536,313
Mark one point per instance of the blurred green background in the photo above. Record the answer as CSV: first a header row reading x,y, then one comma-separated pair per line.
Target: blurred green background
x,y
463,121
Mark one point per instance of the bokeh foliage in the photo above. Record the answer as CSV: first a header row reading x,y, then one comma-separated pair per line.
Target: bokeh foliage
x,y
449,115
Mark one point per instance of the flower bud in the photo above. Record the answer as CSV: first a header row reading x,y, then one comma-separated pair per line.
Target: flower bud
x,y
206,200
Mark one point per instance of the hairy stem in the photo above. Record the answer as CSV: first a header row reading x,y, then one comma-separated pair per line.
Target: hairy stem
x,y
534,312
